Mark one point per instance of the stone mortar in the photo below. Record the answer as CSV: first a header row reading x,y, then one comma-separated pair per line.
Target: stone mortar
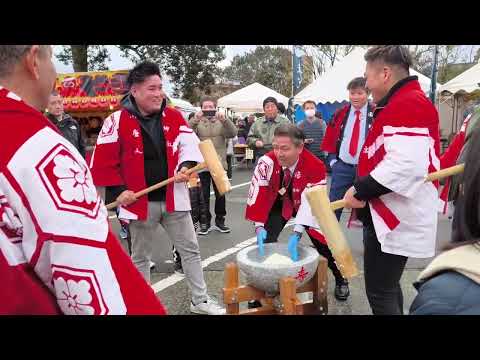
x,y
267,277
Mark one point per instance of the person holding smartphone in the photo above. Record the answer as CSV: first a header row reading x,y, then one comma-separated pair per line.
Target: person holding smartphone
x,y
210,124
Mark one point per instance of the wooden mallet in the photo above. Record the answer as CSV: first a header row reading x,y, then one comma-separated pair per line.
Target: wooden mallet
x,y
317,197
211,162
437,175
323,211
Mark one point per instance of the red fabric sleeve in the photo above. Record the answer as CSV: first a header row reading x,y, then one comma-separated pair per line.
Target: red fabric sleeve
x,y
450,156
329,143
260,195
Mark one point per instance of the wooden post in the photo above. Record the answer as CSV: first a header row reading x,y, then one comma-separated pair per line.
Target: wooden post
x,y
231,282
320,287
288,295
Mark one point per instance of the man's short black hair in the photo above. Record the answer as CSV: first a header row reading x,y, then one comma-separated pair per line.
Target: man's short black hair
x,y
357,83
270,99
390,54
281,108
291,131
141,71
309,102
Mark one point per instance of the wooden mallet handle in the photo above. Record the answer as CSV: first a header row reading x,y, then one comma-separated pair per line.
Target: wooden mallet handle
x,y
159,185
437,175
444,173
317,197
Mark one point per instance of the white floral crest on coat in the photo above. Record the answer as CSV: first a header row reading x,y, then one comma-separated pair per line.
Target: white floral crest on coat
x,y
73,297
8,218
74,180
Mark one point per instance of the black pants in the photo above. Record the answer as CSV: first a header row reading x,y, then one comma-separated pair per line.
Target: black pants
x,y
220,210
382,276
229,166
197,203
274,227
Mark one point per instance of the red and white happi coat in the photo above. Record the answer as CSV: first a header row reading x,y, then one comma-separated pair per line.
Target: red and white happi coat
x,y
449,158
401,148
118,159
263,192
57,253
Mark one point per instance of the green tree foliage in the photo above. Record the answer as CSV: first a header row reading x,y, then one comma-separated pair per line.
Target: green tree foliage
x,y
85,57
269,66
190,67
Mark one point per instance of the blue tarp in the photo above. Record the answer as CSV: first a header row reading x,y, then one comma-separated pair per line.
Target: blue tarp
x,y
327,110
299,114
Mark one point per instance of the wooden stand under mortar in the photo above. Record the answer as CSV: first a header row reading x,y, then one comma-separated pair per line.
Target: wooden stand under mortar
x,y
234,294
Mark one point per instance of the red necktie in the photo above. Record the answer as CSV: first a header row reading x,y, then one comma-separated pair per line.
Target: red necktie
x,y
355,134
287,207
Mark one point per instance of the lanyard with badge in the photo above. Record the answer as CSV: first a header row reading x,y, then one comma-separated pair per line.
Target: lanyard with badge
x,y
285,182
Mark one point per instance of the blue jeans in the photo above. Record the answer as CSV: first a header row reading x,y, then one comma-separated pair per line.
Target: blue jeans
x,y
343,176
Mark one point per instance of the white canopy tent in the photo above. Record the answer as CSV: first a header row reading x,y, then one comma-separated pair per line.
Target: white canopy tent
x,y
183,105
332,85
466,82
456,96
250,99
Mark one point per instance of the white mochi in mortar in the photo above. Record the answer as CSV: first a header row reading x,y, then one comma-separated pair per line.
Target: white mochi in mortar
x,y
278,259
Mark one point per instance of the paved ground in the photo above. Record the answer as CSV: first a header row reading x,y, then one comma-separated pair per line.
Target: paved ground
x,y
217,249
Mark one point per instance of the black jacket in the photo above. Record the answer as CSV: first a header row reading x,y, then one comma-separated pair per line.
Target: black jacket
x,y
154,151
70,129
154,147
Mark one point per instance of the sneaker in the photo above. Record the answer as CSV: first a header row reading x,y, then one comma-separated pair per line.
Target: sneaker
x,y
178,269
208,307
204,229
252,304
220,226
341,290
196,226
123,232
152,265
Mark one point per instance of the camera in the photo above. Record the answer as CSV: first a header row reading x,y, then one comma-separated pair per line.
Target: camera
x,y
209,113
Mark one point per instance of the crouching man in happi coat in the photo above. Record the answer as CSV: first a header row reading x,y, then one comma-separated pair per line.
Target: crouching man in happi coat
x,y
278,182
